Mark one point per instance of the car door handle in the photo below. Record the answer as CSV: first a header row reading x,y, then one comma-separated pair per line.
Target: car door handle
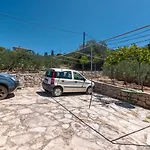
x,y
75,81
62,80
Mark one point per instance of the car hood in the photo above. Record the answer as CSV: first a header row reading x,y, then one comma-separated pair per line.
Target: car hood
x,y
6,75
88,81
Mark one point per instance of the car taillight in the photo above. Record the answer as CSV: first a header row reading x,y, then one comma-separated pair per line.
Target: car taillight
x,y
53,76
52,81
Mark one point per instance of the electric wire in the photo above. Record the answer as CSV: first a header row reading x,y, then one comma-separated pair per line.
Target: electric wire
x,y
40,25
129,35
130,39
142,41
120,35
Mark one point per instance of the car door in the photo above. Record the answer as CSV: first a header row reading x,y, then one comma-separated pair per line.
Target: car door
x,y
66,80
79,82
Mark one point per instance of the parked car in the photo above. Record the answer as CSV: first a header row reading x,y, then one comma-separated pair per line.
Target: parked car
x,y
60,81
8,83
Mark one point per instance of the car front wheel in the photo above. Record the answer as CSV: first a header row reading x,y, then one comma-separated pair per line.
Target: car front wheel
x,y
57,91
89,91
3,92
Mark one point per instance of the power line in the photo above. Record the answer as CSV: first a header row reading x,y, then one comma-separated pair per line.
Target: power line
x,y
61,59
130,39
142,41
91,37
130,35
114,37
45,26
78,53
132,43
80,49
68,57
40,25
77,50
76,58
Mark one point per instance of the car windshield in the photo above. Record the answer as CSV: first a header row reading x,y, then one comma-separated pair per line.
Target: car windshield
x,y
77,76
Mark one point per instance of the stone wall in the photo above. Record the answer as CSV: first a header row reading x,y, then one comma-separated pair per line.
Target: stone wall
x,y
113,91
30,79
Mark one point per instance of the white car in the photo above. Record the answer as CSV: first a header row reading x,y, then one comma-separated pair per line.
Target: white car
x,y
60,81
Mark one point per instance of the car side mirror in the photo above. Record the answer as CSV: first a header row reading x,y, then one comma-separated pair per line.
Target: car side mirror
x,y
84,79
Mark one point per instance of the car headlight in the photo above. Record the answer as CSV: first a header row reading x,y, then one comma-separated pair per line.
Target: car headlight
x,y
13,78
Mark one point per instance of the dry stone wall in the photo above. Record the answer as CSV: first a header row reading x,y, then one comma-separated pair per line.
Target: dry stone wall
x,y
30,79
113,91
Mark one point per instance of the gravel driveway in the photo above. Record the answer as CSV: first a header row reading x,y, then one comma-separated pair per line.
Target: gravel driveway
x,y
32,120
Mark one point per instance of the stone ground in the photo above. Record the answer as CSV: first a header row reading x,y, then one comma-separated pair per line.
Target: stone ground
x,y
32,120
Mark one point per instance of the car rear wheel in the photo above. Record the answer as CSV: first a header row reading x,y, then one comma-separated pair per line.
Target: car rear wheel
x,y
57,91
3,92
89,91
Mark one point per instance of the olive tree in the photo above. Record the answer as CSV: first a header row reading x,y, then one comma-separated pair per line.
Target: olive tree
x,y
84,60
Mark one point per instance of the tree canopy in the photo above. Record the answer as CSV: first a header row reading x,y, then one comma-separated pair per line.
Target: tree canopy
x,y
141,55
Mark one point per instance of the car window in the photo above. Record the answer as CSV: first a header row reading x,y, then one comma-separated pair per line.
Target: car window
x,y
77,76
48,73
64,75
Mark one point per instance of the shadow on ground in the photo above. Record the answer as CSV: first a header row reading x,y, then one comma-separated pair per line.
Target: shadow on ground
x,y
125,105
116,102
11,95
73,94
100,98
48,94
44,94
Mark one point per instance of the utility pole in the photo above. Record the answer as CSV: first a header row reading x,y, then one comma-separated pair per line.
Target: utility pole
x,y
91,76
83,49
51,59
83,40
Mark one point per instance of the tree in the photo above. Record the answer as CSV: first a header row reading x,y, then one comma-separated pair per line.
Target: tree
x,y
58,54
113,59
45,54
141,55
2,49
134,53
83,61
96,60
52,53
148,45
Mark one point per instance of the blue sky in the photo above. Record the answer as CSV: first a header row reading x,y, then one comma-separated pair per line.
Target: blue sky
x,y
98,18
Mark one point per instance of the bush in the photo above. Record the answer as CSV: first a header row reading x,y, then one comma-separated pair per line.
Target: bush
x,y
127,71
24,61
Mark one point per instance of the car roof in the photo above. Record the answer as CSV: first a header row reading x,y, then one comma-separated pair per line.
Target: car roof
x,y
61,69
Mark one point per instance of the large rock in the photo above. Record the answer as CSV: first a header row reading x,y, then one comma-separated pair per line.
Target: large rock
x,y
21,139
3,140
56,144
24,111
37,121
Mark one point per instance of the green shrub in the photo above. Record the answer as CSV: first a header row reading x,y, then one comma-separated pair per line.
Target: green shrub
x,y
127,71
